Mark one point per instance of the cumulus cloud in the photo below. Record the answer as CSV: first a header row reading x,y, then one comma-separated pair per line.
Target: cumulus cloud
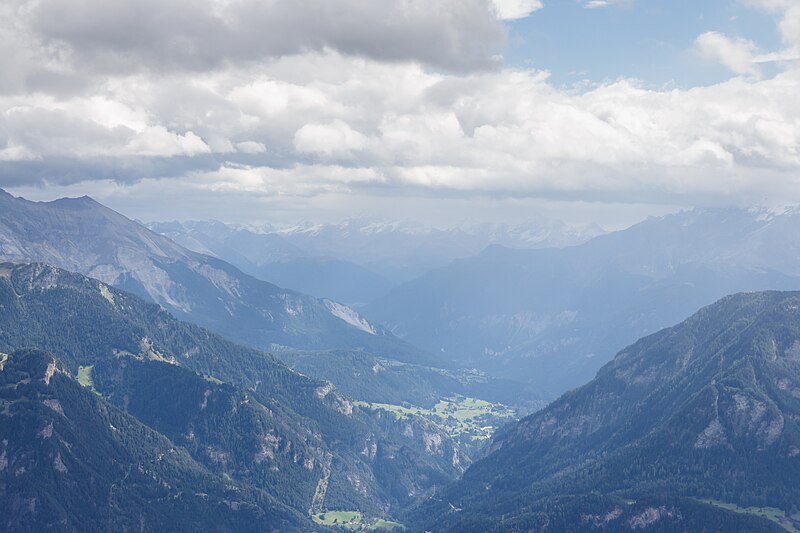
x,y
790,22
358,124
44,127
790,25
330,115
201,34
739,55
742,56
515,9
334,139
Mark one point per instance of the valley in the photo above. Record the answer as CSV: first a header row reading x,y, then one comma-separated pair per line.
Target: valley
x,y
790,522
468,420
359,430
415,266
553,317
256,421
355,521
696,414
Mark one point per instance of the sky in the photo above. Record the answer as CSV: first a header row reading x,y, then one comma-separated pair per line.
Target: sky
x,y
440,111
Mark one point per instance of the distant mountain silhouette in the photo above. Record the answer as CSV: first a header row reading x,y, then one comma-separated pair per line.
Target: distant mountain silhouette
x,y
555,316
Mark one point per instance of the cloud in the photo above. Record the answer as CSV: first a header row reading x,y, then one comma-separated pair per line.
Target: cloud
x,y
330,116
742,56
251,147
738,55
43,127
769,5
334,139
160,142
358,126
594,4
789,26
164,35
516,9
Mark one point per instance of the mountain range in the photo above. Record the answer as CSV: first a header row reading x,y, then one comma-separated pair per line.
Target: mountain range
x,y
555,316
322,337
137,393
238,418
678,430
70,461
81,235
694,428
358,260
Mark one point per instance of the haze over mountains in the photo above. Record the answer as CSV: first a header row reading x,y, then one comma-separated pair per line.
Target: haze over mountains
x,y
520,307
376,426
81,235
322,336
556,316
360,259
678,425
548,317
375,265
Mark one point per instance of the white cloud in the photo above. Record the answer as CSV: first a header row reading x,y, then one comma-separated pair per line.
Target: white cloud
x,y
770,5
300,180
742,56
39,127
334,139
158,141
594,4
251,147
14,152
164,35
789,25
738,55
515,9
355,125
337,120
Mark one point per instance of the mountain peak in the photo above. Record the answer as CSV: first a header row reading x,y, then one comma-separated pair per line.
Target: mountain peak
x,y
82,235
81,202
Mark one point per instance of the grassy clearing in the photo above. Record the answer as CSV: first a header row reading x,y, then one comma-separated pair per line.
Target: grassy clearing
x,y
385,525
354,521
459,416
789,523
85,376
338,518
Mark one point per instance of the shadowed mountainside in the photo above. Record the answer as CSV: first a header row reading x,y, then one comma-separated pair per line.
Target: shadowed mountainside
x,y
706,411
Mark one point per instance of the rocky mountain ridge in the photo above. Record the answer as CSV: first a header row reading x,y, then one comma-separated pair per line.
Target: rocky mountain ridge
x,y
697,418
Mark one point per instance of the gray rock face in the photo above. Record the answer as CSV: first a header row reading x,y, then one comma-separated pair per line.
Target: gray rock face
x,y
81,235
